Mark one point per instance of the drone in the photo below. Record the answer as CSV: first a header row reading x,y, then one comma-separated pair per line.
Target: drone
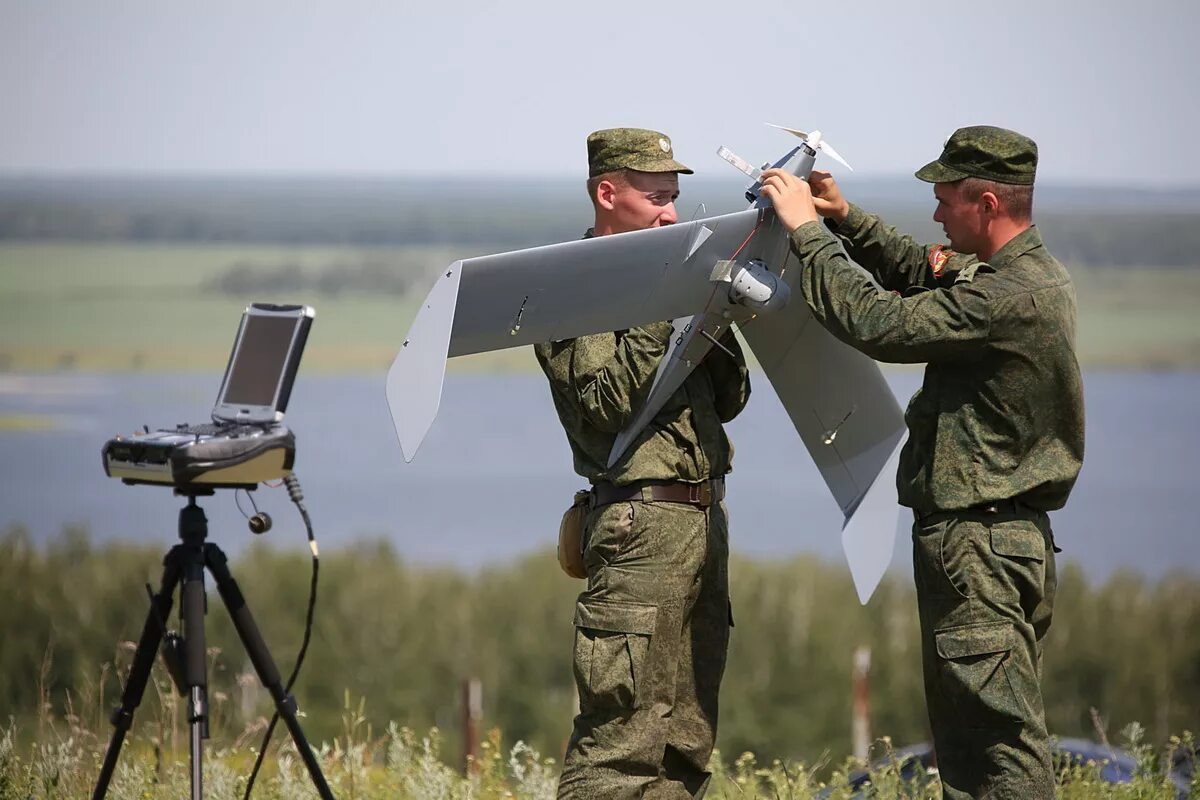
x,y
707,275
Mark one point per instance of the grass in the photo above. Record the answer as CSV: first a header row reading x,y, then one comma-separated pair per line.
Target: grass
x,y
62,755
55,749
119,307
401,765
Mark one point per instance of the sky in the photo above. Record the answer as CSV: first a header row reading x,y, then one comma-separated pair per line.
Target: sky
x,y
1107,89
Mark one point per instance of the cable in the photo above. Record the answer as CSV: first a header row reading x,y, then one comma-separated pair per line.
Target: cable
x,y
749,236
237,500
297,496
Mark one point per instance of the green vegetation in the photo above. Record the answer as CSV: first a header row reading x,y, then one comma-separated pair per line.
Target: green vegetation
x,y
405,637
119,306
399,765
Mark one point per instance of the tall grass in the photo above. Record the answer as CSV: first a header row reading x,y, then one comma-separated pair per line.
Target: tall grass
x,y
404,637
403,765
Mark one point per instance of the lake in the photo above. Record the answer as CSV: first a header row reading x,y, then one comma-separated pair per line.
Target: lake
x,y
494,474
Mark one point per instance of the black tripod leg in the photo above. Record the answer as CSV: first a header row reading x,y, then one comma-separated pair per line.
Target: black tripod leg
x,y
264,665
192,606
139,672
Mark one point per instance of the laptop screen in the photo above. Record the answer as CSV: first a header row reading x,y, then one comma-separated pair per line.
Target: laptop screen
x,y
259,360
263,365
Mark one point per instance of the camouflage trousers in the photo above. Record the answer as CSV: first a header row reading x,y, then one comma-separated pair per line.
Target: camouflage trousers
x,y
985,594
651,634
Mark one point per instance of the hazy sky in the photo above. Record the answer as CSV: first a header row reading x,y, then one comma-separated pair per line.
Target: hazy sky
x,y
1111,91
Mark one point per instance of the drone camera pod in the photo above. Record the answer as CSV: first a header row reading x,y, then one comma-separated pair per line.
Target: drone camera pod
x,y
754,285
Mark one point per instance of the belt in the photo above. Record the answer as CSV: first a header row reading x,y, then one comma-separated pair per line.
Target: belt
x,y
990,509
696,494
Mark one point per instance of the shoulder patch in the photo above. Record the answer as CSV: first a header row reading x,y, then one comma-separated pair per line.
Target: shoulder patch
x,y
938,256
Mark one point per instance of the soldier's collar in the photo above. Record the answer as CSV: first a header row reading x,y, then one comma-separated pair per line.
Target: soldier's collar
x,y
1019,245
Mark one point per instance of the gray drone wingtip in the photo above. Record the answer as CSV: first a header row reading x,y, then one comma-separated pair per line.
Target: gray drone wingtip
x,y
414,381
869,532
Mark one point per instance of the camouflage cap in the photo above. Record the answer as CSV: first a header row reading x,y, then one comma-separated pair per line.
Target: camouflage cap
x,y
631,148
982,151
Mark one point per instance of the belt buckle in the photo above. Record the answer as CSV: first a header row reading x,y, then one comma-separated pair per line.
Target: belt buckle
x,y
702,494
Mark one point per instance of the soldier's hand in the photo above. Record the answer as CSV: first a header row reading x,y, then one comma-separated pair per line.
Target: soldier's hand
x,y
791,197
827,197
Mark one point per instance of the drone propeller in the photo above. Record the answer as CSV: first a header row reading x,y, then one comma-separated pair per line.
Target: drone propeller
x,y
815,140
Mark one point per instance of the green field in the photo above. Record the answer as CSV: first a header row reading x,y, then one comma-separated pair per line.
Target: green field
x,y
1139,317
120,306
153,307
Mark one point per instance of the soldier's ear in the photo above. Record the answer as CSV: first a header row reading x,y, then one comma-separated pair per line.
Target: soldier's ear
x,y
606,192
989,203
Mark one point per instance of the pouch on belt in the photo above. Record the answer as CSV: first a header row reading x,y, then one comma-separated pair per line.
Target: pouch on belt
x,y
570,536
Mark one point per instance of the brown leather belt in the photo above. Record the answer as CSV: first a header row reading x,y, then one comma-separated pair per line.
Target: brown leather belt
x,y
696,494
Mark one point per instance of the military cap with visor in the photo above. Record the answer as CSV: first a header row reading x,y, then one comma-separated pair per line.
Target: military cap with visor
x,y
983,151
631,148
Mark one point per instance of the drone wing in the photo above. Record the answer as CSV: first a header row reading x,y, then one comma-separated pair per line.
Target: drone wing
x,y
555,292
850,422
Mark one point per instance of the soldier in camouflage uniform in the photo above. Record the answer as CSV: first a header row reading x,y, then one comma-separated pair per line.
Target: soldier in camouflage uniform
x,y
995,433
652,626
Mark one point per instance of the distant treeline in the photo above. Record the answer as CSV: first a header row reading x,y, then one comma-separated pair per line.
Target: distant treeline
x,y
1094,227
404,637
367,275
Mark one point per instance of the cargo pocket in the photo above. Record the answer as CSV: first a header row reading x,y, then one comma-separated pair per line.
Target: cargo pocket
x,y
612,639
973,662
1021,547
1018,541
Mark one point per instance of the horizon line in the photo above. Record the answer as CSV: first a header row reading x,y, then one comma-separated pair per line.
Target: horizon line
x,y
56,174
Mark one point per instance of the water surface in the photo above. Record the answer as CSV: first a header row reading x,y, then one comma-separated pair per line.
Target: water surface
x,y
494,473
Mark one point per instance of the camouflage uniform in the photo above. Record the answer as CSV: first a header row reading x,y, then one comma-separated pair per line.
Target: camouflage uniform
x,y
652,627
995,442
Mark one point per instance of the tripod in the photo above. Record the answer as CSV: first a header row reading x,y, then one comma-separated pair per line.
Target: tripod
x,y
185,657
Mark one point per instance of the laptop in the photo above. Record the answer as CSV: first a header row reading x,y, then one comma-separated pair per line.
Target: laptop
x,y
262,367
245,444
